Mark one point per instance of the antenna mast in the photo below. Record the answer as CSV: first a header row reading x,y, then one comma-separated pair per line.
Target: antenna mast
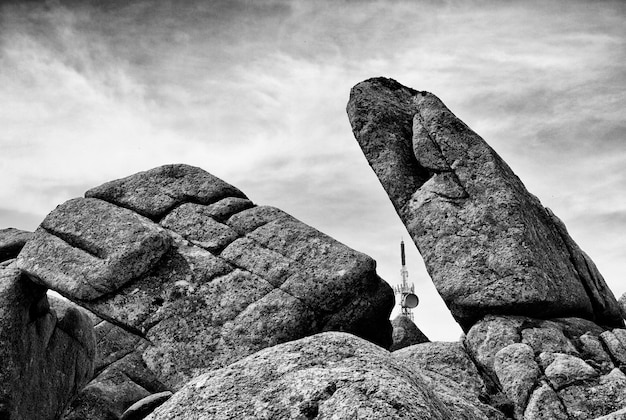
x,y
406,290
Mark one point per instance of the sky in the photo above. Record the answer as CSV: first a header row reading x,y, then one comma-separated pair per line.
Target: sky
x,y
255,92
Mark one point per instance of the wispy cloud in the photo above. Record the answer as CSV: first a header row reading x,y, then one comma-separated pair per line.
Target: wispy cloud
x,y
255,92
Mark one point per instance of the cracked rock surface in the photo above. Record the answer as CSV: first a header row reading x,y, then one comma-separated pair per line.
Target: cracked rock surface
x,y
198,277
578,374
488,244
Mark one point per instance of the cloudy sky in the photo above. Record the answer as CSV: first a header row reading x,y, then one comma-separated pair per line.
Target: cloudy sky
x,y
255,93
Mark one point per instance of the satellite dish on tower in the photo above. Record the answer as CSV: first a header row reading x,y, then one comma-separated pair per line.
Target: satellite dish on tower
x,y
408,298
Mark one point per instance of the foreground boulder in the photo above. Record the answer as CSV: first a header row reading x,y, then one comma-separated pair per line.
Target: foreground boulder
x,y
47,350
329,375
488,244
200,275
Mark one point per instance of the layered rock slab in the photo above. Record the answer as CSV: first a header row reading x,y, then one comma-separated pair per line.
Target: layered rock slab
x,y
185,261
488,244
47,349
329,375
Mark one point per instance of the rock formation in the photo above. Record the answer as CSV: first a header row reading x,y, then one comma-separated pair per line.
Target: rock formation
x,y
564,368
329,375
47,349
11,242
202,304
488,244
405,333
500,260
192,276
121,377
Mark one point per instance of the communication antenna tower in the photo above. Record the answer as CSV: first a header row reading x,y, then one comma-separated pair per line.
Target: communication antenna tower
x,y
406,291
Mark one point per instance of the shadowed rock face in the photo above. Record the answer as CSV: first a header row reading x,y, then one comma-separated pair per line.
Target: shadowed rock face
x,y
185,262
11,242
47,350
488,244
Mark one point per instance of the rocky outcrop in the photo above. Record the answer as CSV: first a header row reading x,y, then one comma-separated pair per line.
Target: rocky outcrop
x,y
47,349
329,375
488,244
622,305
199,276
405,333
566,368
11,242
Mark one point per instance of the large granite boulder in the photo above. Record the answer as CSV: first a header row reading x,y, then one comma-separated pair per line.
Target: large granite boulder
x,y
187,263
47,350
329,375
488,244
11,242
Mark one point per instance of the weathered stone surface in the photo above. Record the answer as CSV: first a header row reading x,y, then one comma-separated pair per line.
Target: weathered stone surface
x,y
601,397
620,334
459,400
448,369
566,369
47,349
194,223
329,375
113,343
11,242
213,278
155,192
572,359
592,351
517,372
491,335
616,415
622,305
406,333
449,359
145,406
114,390
575,327
121,376
544,404
488,244
86,248
547,338
616,348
